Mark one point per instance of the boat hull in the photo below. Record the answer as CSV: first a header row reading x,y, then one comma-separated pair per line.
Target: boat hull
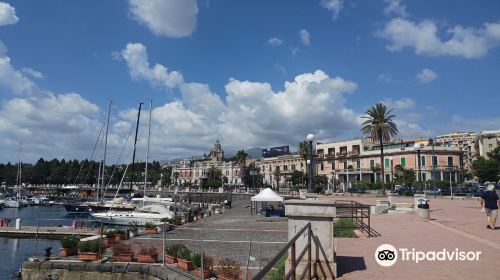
x,y
129,218
13,204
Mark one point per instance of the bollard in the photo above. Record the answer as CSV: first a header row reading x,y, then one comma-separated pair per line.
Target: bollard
x,y
423,209
18,223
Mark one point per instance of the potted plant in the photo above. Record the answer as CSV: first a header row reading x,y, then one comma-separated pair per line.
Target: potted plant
x,y
122,252
177,220
89,250
110,238
207,265
147,254
69,246
119,234
184,259
167,222
228,270
150,228
171,253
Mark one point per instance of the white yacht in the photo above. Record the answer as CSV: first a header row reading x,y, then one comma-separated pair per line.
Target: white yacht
x,y
147,214
166,201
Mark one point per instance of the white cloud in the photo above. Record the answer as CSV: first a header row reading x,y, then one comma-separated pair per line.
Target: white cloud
x,y
423,38
335,6
401,104
32,72
426,76
395,7
11,78
170,18
136,56
387,78
305,37
7,14
274,41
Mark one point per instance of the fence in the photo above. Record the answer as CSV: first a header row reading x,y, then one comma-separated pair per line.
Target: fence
x,y
359,213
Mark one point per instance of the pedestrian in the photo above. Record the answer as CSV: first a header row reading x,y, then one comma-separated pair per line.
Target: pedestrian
x,y
489,204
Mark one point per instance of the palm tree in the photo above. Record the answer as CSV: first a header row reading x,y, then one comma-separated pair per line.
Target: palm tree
x,y
241,159
176,175
379,126
214,173
304,152
277,176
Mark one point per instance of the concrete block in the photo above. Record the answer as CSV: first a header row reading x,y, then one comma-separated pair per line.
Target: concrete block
x,y
77,267
379,209
134,267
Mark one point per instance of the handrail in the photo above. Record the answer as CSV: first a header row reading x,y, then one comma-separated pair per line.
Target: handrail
x,y
281,253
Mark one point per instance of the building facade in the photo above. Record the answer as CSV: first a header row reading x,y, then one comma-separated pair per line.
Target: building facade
x,y
195,171
467,142
488,141
358,160
286,164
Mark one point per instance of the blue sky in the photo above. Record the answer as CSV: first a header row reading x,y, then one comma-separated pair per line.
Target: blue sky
x,y
221,69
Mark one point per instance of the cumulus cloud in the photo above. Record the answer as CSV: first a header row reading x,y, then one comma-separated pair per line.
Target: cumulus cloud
x,y
423,37
305,37
274,41
401,104
170,18
387,78
395,7
136,56
33,73
335,6
12,79
426,76
7,14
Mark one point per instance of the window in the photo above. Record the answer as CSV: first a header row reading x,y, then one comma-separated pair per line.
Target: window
x,y
434,160
490,145
424,177
403,162
358,164
333,165
321,167
422,160
285,167
372,163
387,162
450,161
345,164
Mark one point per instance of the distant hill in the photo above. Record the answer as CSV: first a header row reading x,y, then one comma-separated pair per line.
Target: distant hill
x,y
254,153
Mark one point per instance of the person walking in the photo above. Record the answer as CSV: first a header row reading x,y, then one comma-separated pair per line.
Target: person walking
x,y
489,204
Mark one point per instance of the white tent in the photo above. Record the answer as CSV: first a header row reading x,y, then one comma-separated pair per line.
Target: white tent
x,y
267,195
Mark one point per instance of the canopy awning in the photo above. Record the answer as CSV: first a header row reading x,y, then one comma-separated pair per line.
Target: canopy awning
x,y
267,195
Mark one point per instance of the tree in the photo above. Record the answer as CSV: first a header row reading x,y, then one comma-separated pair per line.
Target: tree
x,y
214,173
176,176
304,151
254,180
379,125
494,155
485,169
241,159
404,176
297,177
320,180
277,176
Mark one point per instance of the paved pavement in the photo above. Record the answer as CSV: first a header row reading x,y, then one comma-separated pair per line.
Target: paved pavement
x,y
456,224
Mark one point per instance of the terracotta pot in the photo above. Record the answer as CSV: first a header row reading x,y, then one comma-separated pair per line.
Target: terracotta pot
x,y
146,258
185,264
68,252
150,231
206,273
170,259
88,256
123,257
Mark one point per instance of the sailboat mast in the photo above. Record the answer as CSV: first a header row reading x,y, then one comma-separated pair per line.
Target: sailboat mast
x,y
135,145
103,169
19,168
147,152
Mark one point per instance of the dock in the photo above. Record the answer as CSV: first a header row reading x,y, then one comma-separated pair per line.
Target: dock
x,y
46,232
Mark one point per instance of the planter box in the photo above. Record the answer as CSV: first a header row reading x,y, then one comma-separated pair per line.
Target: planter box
x,y
206,273
88,256
170,259
150,231
146,258
65,252
185,264
123,257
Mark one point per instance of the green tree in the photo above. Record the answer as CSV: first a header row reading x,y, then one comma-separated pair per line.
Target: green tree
x,y
297,177
257,179
485,169
214,173
494,155
277,177
241,159
379,126
304,151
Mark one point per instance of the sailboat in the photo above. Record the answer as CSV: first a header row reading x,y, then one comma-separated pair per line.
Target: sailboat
x,y
18,201
146,214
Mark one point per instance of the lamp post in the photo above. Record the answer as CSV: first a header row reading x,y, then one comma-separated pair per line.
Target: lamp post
x,y
419,175
310,139
392,173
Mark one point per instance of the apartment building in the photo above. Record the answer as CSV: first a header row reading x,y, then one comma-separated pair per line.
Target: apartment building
x,y
467,142
488,141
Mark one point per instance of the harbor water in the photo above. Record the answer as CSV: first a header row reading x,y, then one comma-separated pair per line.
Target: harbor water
x,y
14,251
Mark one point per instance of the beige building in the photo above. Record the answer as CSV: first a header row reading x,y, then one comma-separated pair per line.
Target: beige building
x,y
488,141
356,160
467,142
194,171
286,165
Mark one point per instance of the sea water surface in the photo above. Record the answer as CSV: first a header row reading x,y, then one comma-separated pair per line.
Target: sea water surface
x,y
14,251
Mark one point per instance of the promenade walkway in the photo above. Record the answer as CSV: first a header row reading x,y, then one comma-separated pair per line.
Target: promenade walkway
x,y
455,224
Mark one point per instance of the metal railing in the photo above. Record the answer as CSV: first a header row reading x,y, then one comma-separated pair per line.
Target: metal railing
x,y
359,213
292,274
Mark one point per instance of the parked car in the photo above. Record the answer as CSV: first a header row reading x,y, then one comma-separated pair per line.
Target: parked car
x,y
356,190
433,191
401,190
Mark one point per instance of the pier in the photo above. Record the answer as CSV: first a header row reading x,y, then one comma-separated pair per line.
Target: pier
x,y
46,232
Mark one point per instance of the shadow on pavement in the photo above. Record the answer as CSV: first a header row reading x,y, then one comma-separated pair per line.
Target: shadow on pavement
x,y
346,264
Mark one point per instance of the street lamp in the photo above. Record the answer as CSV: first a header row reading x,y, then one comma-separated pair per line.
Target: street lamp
x,y
310,138
419,175
392,172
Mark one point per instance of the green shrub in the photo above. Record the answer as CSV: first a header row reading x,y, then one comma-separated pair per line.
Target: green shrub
x,y
148,250
278,271
184,253
149,225
166,220
89,246
174,249
120,248
69,241
344,227
207,261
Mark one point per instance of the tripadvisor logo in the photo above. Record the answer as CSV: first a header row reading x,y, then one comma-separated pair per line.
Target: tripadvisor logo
x,y
388,255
